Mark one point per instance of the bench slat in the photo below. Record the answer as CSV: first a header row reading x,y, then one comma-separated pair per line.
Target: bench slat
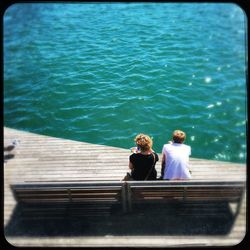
x,y
90,197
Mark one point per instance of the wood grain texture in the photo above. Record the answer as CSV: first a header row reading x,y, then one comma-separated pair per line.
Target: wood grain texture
x,y
39,158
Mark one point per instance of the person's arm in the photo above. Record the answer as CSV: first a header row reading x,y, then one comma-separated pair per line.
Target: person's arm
x,y
130,165
163,164
189,153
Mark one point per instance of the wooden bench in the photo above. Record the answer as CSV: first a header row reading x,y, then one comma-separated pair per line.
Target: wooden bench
x,y
189,193
60,199
97,198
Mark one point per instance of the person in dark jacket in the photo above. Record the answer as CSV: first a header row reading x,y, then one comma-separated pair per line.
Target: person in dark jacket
x,y
142,161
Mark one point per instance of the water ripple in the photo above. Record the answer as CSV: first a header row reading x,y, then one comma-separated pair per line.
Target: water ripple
x,y
104,74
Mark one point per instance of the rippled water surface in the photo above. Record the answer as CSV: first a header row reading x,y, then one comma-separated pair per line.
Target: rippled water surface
x,y
102,73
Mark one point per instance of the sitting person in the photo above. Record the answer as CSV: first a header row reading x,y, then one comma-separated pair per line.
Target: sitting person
x,y
142,162
175,158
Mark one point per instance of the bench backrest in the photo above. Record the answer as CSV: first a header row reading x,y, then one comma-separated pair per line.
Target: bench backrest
x,y
127,193
60,192
167,191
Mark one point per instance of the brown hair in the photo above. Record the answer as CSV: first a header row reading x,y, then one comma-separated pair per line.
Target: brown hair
x,y
179,136
144,142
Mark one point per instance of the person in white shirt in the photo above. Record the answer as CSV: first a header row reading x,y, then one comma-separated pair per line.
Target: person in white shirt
x,y
175,158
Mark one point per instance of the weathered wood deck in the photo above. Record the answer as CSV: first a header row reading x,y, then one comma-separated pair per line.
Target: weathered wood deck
x,y
39,158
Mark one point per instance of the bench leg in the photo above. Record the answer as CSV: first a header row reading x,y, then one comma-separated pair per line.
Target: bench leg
x,y
238,206
124,197
129,200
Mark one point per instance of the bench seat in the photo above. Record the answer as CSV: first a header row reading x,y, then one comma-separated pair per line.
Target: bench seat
x,y
62,199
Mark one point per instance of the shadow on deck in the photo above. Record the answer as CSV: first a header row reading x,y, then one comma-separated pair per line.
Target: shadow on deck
x,y
167,220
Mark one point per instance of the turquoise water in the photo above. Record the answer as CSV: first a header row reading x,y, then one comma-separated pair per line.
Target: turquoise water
x,y
102,73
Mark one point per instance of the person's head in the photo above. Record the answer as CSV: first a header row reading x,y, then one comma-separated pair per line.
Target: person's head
x,y
144,142
179,136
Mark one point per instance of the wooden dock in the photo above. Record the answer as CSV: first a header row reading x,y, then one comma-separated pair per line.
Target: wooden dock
x,y
38,158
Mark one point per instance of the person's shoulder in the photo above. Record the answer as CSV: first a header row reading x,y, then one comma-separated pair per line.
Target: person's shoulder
x,y
133,156
186,146
153,152
166,145
156,155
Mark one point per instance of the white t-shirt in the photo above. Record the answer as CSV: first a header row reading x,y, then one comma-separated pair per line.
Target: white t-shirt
x,y
176,161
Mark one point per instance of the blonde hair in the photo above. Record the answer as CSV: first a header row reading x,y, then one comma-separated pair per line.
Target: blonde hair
x,y
144,142
179,136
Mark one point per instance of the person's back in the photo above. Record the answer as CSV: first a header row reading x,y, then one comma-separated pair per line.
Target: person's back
x,y
142,164
176,157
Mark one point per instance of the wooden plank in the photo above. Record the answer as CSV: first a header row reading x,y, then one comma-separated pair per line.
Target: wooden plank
x,y
40,158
